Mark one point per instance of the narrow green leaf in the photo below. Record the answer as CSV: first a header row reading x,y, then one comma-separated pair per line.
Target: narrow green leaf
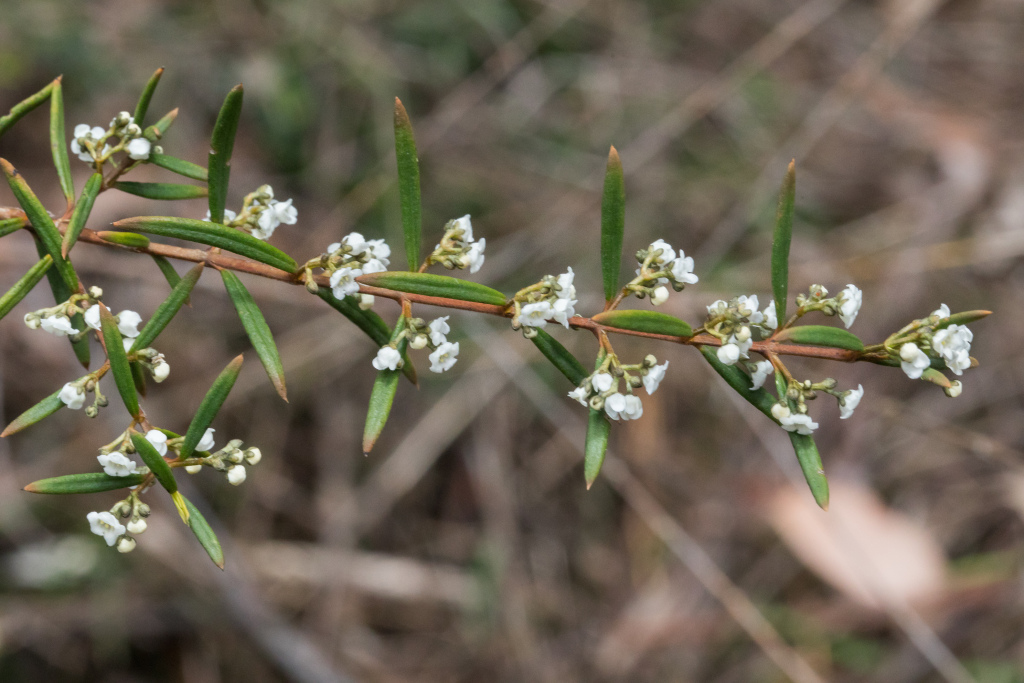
x,y
408,185
41,223
821,335
125,239
155,462
138,377
61,293
382,396
596,445
59,143
781,240
166,311
45,408
118,361
146,97
963,318
613,224
201,528
167,268
367,321
560,357
25,285
221,145
88,482
11,225
256,327
167,191
179,166
740,381
810,463
81,213
158,129
429,284
209,407
652,322
211,234
24,107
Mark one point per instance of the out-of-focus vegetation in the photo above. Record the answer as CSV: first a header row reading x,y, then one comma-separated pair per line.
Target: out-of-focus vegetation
x,y
466,548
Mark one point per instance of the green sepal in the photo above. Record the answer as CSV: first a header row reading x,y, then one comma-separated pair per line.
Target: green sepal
x,y
383,395
162,191
201,528
87,482
24,107
166,311
11,225
781,240
652,322
125,239
81,212
596,445
821,335
61,293
155,462
222,143
256,327
179,166
408,185
210,406
146,97
613,224
429,284
25,285
119,361
59,143
213,235
45,408
565,362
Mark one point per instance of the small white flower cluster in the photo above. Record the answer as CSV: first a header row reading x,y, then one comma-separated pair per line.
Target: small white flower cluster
x,y
846,304
351,257
228,460
457,249
792,415
90,142
420,335
660,266
951,343
733,323
601,389
110,528
261,214
553,299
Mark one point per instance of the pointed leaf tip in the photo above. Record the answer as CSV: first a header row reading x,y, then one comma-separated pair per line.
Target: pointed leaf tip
x,y
613,224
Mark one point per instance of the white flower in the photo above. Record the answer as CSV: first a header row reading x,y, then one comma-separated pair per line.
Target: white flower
x,y
373,266
72,396
438,330
266,224
355,241
619,407
682,270
914,360
562,310
206,443
849,401
366,301
659,295
759,373
849,304
236,475
770,318
793,422
579,394
942,311
137,526
634,408
285,212
728,353
566,289
333,247
444,357
126,544
654,376
128,323
92,317
535,315
158,439
747,305
160,371
139,148
953,344
379,250
343,282
667,254
229,215
474,258
58,326
466,226
602,382
83,130
387,358
106,525
117,464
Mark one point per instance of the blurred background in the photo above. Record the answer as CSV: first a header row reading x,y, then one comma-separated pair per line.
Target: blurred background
x,y
465,547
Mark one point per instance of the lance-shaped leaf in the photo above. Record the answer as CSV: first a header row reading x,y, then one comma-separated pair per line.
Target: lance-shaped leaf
x,y
613,224
810,463
781,240
383,395
201,528
369,322
256,327
45,408
61,293
645,321
157,130
179,166
41,222
24,107
429,284
25,285
125,239
211,234
11,225
146,97
596,445
59,143
168,191
408,185
81,213
155,462
88,482
168,271
221,145
210,406
119,361
963,318
821,335
560,357
166,311
740,382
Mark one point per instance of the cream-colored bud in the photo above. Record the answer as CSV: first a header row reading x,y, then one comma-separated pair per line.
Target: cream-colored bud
x,y
418,342
193,469
659,295
253,455
161,371
95,292
137,526
743,334
955,387
236,475
366,301
126,544
32,321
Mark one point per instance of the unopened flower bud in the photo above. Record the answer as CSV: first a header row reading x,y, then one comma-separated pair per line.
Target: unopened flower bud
x,y
743,334
137,526
161,371
955,387
32,321
92,411
659,295
418,342
234,456
95,292
236,475
122,509
636,382
253,455
234,444
366,301
650,361
193,469
144,509
126,544
311,286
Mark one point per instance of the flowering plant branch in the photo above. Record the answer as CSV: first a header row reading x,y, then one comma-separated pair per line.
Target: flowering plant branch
x,y
351,273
